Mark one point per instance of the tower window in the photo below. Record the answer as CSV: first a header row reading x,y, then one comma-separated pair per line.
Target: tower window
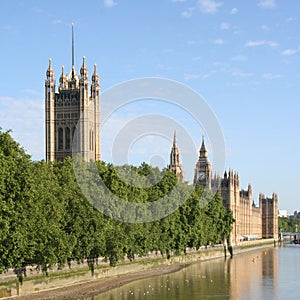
x,y
67,138
60,139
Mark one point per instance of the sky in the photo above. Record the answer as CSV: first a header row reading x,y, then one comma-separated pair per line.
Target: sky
x,y
241,57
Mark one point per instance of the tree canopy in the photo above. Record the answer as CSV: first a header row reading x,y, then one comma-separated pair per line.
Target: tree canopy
x,y
45,219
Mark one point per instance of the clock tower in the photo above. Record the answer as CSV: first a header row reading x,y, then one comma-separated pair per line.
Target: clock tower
x,y
203,168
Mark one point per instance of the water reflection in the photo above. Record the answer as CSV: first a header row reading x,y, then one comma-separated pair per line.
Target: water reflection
x,y
253,275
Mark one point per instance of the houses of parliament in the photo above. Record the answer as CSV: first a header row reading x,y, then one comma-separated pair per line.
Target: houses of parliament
x,y
72,124
251,222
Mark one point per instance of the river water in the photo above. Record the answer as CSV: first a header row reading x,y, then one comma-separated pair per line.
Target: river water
x,y
272,273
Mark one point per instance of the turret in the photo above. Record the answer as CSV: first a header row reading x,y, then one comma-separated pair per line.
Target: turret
x,y
95,78
83,70
63,80
95,96
84,84
175,165
50,73
49,112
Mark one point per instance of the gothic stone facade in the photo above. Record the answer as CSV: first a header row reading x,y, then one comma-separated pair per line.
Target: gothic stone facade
x,y
250,220
72,114
175,165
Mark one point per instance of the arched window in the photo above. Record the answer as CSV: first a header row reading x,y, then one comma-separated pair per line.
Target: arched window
x,y
68,138
60,139
92,140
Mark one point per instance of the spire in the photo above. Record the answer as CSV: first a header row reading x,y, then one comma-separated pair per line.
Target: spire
x,y
72,45
73,73
175,165
174,139
203,151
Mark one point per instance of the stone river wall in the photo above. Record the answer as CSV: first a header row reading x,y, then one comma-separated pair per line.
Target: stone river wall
x,y
75,273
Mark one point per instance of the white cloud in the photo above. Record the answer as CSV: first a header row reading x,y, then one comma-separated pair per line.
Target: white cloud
x,y
267,4
224,26
261,43
209,6
272,43
188,12
289,52
56,22
26,122
218,41
271,76
239,58
242,74
234,11
255,43
190,76
109,3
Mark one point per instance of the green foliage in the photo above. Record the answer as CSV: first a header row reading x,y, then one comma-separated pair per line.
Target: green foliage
x,y
45,218
288,224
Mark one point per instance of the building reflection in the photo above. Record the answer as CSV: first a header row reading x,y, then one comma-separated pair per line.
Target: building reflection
x,y
246,273
252,275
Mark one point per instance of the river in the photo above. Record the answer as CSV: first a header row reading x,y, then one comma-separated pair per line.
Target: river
x,y
272,273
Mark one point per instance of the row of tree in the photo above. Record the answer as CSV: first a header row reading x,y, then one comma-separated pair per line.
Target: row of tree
x,y
288,224
46,219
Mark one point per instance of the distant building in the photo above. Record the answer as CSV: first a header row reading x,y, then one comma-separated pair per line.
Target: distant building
x,y
75,100
250,221
296,214
282,213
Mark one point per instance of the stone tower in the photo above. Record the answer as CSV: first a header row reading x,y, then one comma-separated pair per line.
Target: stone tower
x,y
175,165
230,192
269,211
74,108
203,168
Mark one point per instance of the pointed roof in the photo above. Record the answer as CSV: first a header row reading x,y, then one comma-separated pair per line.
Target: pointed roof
x,y
203,152
203,148
95,76
50,72
174,139
73,45
83,69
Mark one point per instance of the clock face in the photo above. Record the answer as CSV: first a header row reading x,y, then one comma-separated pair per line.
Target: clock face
x,y
202,175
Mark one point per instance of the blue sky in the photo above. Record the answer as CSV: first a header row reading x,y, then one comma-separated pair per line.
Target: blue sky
x,y
242,57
